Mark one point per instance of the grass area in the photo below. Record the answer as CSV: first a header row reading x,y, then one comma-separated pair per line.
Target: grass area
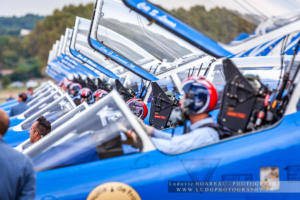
x,y
4,93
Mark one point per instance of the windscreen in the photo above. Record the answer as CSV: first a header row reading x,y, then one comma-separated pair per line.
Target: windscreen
x,y
37,97
136,84
202,69
193,71
121,47
82,46
276,23
52,113
218,78
68,116
40,105
121,44
147,35
104,135
168,86
119,70
271,75
37,94
130,80
268,75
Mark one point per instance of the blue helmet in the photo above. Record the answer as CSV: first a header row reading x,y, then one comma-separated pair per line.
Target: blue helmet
x,y
75,88
200,95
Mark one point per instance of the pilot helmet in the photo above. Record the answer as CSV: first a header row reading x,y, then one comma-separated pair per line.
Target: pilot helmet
x,y
75,88
85,94
200,95
138,107
99,94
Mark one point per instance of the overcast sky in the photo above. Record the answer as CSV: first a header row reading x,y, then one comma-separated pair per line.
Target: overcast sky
x,y
41,7
46,7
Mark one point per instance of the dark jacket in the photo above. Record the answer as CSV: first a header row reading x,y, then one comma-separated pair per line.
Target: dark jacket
x,y
18,109
17,175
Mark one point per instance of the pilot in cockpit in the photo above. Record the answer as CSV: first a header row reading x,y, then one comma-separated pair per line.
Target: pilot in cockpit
x,y
200,97
39,129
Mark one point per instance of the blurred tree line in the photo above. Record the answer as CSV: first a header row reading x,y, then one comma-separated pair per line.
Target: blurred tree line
x,y
13,25
28,56
219,24
40,41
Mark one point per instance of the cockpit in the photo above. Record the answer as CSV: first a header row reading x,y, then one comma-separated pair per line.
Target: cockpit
x,y
104,135
107,132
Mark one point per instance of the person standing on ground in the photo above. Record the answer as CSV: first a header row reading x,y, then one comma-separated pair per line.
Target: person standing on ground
x,y
10,97
21,107
29,93
17,175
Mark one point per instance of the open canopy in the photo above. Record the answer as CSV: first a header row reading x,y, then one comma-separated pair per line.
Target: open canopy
x,y
80,141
